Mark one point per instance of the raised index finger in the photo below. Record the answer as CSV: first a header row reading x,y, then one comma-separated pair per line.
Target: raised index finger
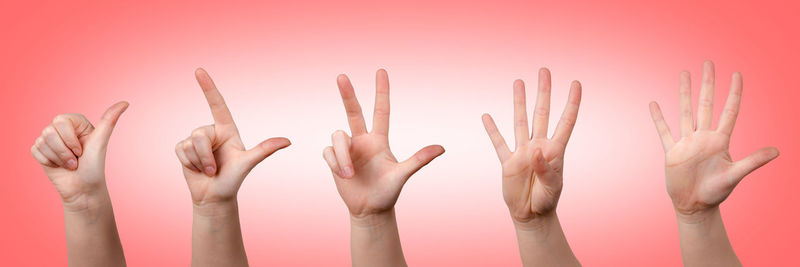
x,y
219,110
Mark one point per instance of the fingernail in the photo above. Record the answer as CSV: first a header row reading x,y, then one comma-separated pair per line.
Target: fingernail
x,y
78,152
71,164
210,171
347,172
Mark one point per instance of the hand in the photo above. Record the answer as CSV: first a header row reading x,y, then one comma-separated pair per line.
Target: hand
x,y
368,176
214,159
532,174
73,155
699,170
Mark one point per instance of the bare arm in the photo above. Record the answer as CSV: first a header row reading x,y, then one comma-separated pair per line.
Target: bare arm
x,y
369,178
532,174
375,240
700,172
72,152
215,163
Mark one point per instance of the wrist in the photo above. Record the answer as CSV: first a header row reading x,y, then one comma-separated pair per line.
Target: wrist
x,y
87,202
373,220
540,222
217,208
697,216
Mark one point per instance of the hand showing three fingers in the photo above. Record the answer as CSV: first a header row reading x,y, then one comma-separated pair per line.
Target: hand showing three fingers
x,y
215,161
700,172
532,174
73,152
368,176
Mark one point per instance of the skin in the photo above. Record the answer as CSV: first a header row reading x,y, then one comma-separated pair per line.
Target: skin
x,y
215,163
532,174
369,177
700,172
72,153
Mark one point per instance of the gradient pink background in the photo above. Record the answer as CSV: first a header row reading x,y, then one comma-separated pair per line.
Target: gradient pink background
x,y
449,62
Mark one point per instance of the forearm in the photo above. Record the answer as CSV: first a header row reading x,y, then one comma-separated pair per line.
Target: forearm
x,y
704,241
375,241
91,231
542,243
217,235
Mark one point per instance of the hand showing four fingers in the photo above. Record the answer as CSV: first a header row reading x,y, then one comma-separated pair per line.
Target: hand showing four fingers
x,y
73,153
215,161
700,172
532,174
368,176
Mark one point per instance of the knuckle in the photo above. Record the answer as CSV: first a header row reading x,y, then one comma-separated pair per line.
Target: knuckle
x,y
705,102
198,132
542,112
61,118
49,130
568,121
187,146
179,146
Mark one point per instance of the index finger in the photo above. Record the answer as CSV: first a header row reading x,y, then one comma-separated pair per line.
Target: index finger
x,y
219,110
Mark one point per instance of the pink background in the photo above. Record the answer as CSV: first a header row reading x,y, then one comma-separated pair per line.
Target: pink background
x,y
448,62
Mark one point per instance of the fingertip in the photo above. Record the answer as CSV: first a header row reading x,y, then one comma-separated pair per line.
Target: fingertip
x,y
199,71
71,164
774,152
210,171
519,83
341,133
576,84
538,156
77,150
342,78
123,105
282,141
381,71
654,105
708,63
439,149
347,171
544,71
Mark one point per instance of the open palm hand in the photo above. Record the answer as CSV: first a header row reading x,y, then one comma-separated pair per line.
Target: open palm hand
x,y
532,174
700,172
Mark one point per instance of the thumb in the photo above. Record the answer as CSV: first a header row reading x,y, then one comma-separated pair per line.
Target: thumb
x,y
102,132
258,153
419,160
541,168
752,162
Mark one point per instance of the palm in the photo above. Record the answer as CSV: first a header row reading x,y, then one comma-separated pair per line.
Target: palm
x,y
376,184
532,174
225,183
367,175
524,192
700,172
72,184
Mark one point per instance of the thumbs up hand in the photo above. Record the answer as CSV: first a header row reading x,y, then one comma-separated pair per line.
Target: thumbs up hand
x,y
73,153
215,162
